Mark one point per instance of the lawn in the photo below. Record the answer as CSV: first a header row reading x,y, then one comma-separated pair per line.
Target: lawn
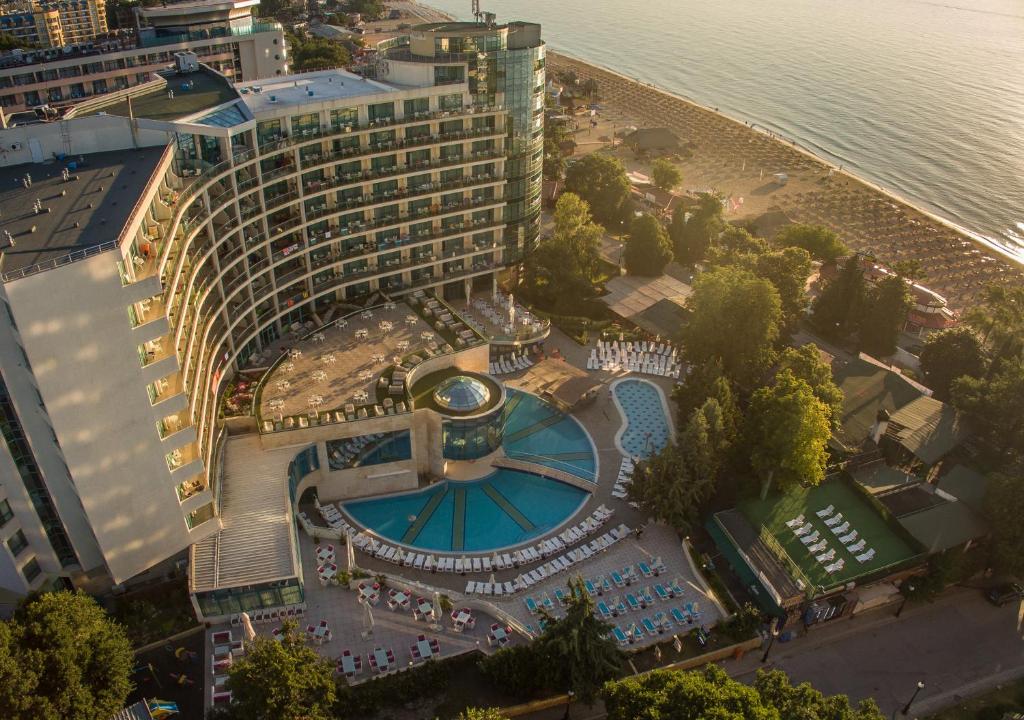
x,y
990,706
890,548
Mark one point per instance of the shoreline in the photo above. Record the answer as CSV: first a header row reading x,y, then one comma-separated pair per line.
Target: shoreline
x,y
978,238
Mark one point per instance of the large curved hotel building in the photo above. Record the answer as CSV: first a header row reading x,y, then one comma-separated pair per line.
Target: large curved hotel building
x,y
213,292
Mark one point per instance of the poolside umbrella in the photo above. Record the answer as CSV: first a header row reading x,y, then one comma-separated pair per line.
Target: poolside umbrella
x,y
494,560
400,557
350,554
492,579
250,632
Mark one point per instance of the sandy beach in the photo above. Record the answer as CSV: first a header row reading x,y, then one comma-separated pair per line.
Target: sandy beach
x,y
740,160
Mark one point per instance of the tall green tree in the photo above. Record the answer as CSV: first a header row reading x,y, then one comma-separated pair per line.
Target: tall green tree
x,y
736,246
601,181
313,53
693,232
999,319
994,406
710,694
579,645
788,270
281,680
665,174
951,354
648,250
735,318
885,313
1004,507
786,433
823,244
837,310
61,656
565,263
806,363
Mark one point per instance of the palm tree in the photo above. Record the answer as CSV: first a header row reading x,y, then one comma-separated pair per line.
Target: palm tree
x,y
579,646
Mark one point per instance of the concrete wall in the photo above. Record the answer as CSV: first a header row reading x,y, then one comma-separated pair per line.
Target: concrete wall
x,y
87,368
411,73
100,133
263,55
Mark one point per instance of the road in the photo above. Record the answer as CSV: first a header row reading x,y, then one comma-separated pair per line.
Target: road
x,y
958,646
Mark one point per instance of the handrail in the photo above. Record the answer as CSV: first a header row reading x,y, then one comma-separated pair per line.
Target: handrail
x,y
56,262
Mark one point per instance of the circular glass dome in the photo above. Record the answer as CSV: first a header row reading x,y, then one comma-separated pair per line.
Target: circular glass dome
x,y
461,394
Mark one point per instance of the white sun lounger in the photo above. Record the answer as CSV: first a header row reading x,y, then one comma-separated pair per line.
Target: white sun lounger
x,y
803,530
858,546
866,556
818,547
810,539
795,522
841,529
826,557
834,520
826,512
835,567
847,539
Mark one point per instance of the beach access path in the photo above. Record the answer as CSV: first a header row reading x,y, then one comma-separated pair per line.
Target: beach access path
x,y
740,160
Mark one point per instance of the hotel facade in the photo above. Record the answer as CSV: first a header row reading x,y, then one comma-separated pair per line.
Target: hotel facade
x,y
158,256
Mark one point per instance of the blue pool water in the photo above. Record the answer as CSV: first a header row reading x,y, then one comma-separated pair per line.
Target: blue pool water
x,y
505,508
647,429
537,432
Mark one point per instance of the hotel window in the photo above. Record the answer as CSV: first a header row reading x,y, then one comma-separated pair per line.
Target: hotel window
x,y
16,543
344,117
450,102
31,570
306,124
5,512
268,131
416,106
449,74
381,112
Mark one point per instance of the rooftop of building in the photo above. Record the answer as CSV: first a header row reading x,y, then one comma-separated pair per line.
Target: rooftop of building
x,y
305,88
88,210
928,428
868,386
193,93
205,6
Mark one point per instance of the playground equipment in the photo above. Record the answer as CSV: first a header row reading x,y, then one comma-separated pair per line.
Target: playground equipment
x,y
160,709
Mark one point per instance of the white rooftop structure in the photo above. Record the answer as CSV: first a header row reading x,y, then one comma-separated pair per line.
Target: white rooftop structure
x,y
306,88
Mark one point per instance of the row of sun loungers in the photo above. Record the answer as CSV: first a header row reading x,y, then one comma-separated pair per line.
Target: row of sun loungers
x,y
660,624
553,567
512,363
841,528
642,357
621,489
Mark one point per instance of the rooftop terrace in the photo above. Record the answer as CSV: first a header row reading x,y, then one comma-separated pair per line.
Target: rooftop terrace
x,y
323,86
193,93
93,210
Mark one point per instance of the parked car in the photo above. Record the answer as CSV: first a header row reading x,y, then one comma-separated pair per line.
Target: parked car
x,y
1002,594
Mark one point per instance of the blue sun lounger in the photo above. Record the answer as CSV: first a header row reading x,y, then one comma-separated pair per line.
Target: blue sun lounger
x,y
531,604
621,609
649,626
603,609
560,596
661,592
620,637
617,579
636,632
634,604
647,596
590,588
678,616
606,585
692,609
548,605
645,569
662,621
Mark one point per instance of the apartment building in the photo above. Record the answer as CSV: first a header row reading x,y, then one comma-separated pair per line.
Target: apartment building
x,y
54,24
151,262
226,36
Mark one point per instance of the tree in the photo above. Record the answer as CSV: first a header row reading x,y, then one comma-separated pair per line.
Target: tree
x,y
601,181
61,656
648,250
837,309
565,263
554,161
787,270
665,174
806,364
786,433
481,714
1004,507
999,319
281,680
818,240
994,406
710,694
951,354
579,645
735,318
315,53
661,487
693,232
885,313
366,8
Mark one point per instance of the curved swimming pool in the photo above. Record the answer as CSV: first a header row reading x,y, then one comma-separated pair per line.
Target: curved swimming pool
x,y
646,426
506,508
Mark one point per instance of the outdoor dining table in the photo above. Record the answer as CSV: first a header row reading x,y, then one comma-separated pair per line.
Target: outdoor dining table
x,y
369,593
380,657
462,617
322,632
328,571
400,598
348,664
325,553
498,634
424,607
425,650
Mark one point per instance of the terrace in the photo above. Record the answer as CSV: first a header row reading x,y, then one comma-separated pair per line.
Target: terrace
x,y
892,547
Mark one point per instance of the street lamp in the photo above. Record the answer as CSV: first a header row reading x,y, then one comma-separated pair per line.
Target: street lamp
x,y
919,688
910,590
568,704
771,642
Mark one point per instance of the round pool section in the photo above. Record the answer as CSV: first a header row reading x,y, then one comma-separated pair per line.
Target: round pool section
x,y
501,510
462,394
646,424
